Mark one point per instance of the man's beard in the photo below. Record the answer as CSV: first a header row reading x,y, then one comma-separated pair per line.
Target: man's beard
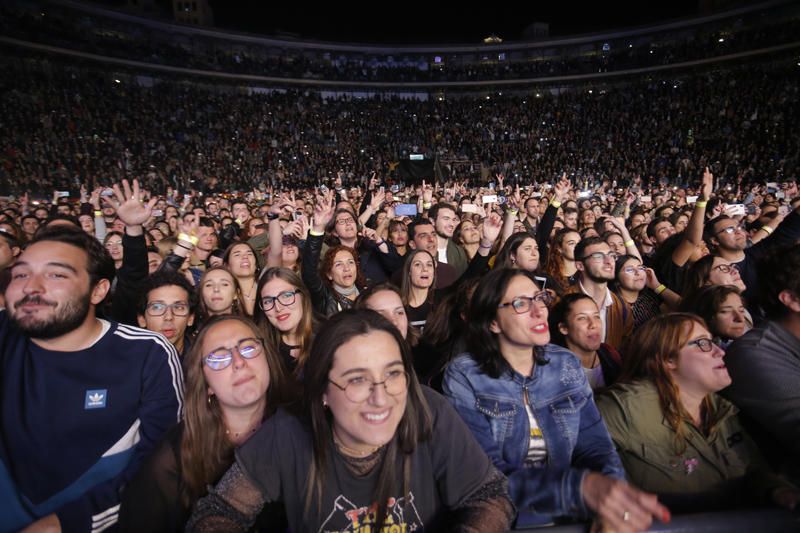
x,y
68,318
599,278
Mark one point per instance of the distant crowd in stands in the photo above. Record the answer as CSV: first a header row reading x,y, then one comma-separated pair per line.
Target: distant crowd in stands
x,y
475,357
105,36
81,127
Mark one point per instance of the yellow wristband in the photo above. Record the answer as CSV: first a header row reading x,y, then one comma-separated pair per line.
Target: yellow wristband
x,y
556,204
767,229
188,238
629,242
513,212
426,205
316,233
702,203
98,213
661,288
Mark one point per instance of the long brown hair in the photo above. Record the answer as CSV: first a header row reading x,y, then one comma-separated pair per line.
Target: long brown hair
x,y
405,285
238,297
554,261
647,353
206,450
307,324
415,426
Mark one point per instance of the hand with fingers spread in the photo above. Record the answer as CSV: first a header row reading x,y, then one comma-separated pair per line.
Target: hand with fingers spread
x,y
561,189
323,213
131,210
620,506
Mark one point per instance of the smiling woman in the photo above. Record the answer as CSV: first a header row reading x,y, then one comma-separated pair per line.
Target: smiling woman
x,y
374,447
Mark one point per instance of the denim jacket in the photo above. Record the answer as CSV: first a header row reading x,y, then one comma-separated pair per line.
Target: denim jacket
x,y
576,438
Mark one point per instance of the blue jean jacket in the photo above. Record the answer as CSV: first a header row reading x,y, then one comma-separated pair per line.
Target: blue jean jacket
x,y
576,438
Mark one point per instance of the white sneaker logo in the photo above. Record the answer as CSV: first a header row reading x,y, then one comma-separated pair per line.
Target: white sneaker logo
x,y
95,399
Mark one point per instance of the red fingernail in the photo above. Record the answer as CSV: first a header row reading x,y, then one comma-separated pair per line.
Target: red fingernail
x,y
666,517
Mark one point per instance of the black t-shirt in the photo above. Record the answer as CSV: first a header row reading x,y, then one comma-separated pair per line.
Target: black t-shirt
x,y
418,316
278,457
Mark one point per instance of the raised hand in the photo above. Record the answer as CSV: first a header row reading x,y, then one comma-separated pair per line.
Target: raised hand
x,y
708,184
377,200
651,280
129,205
562,188
427,193
94,198
492,226
323,212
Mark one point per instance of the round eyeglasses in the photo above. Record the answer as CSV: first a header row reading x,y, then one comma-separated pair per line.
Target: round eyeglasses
x,y
359,388
285,298
159,308
523,304
221,358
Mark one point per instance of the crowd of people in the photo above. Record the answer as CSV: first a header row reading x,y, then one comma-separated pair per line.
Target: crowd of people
x,y
81,127
104,35
589,314
331,358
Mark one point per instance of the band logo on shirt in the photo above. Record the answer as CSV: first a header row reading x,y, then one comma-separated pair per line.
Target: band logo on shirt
x,y
347,517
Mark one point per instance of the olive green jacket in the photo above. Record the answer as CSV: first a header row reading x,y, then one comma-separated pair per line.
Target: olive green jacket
x,y
720,470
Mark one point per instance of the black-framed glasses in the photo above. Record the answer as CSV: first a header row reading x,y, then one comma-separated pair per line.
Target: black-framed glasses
x,y
345,221
726,269
285,298
730,230
523,304
359,388
705,345
159,308
600,256
221,358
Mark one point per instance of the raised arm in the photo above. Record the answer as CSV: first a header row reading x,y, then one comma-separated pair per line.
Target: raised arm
x,y
693,234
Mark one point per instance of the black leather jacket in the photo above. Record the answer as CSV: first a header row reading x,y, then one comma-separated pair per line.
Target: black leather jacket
x,y
326,300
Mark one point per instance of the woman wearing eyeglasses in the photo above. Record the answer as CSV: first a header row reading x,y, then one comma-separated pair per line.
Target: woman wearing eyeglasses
x,y
530,406
370,446
286,316
233,383
640,288
676,437
713,270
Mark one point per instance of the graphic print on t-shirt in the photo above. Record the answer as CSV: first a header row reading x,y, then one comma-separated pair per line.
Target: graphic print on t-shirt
x,y
347,517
